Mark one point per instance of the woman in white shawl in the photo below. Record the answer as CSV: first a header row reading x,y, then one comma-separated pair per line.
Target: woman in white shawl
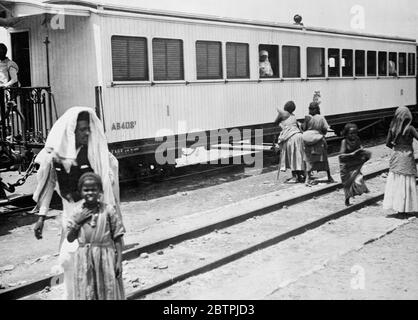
x,y
69,134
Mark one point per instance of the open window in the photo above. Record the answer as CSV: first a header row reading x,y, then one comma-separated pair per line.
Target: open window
x,y
333,62
315,62
393,64
383,63
360,63
347,63
402,63
371,63
411,64
268,61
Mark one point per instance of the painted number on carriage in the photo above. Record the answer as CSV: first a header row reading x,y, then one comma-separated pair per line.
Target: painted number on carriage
x,y
123,125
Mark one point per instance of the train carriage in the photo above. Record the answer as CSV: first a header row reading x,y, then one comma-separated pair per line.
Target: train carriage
x,y
151,74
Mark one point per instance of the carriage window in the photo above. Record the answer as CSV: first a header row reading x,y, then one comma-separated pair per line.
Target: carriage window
x,y
360,63
347,63
315,62
402,63
167,57
371,63
129,58
393,67
291,61
208,60
237,61
411,64
268,61
333,62
383,64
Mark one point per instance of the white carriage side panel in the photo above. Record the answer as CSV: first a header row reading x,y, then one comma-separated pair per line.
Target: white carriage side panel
x,y
37,51
72,66
204,106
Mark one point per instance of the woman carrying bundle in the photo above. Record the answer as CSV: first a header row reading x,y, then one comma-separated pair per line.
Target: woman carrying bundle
x,y
316,155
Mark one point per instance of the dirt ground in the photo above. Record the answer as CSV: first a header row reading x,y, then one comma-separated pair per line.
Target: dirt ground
x,y
149,213
369,254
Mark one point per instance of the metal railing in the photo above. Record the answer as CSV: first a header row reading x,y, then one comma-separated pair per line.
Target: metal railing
x,y
26,114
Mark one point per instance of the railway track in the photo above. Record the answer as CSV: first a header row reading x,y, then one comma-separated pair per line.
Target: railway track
x,y
275,222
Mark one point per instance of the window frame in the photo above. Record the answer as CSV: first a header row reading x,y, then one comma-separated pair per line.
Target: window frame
x,y
247,75
283,47
166,60
221,71
323,67
351,62
364,63
375,63
414,66
338,62
404,74
276,64
146,60
379,74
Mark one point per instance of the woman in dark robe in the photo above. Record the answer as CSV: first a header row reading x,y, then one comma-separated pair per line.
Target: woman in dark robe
x,y
352,158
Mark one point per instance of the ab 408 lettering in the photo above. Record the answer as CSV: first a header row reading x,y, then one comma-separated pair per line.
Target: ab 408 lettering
x,y
123,125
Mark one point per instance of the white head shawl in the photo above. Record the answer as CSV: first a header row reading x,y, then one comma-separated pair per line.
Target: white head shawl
x,y
60,145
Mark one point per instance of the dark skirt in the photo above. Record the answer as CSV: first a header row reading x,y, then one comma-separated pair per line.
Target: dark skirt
x,y
350,171
316,156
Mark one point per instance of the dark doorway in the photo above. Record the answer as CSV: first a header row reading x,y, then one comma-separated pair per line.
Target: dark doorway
x,y
21,55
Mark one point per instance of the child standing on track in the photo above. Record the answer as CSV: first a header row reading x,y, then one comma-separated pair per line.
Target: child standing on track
x,y
99,230
352,158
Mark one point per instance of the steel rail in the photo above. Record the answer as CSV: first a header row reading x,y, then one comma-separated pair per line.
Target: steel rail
x,y
38,285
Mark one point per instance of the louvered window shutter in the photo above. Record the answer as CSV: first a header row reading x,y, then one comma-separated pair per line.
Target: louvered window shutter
x,y
291,62
168,59
208,60
129,58
237,60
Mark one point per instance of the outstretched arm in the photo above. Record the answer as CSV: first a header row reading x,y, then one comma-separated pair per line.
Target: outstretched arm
x,y
118,266
414,132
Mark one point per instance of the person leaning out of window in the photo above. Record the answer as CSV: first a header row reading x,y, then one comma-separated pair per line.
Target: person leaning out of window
x,y
264,65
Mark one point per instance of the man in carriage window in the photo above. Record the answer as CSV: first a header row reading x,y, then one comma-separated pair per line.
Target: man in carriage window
x,y
264,65
392,68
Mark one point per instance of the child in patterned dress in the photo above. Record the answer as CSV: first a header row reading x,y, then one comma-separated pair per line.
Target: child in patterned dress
x,y
99,231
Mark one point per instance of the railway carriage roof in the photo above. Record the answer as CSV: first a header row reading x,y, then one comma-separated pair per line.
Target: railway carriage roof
x,y
109,6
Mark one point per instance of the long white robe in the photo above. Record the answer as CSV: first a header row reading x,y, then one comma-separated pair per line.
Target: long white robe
x,y
60,145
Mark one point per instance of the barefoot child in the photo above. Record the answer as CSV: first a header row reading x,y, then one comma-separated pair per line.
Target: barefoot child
x,y
352,158
99,231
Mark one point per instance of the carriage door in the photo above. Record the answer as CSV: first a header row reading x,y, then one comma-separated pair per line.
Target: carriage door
x,y
20,54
